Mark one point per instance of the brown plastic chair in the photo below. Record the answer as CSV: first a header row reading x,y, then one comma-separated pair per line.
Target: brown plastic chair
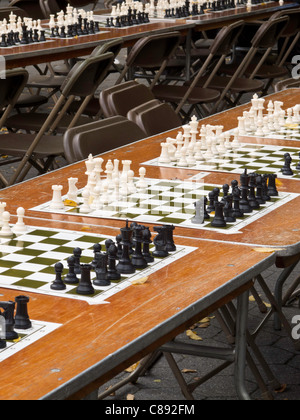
x,y
73,132
253,66
107,137
151,52
90,74
194,94
83,80
155,118
123,100
105,94
222,47
287,84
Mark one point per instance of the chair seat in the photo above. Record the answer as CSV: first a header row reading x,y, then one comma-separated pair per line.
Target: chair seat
x,y
34,122
174,94
50,82
17,145
267,71
30,101
240,85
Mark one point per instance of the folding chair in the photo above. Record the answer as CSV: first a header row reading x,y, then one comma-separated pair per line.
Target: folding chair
x,y
72,133
82,81
98,138
105,94
193,95
120,102
253,66
286,84
154,117
149,53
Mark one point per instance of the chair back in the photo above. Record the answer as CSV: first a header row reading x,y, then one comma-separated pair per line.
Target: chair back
x,y
226,38
123,100
10,89
155,118
85,77
105,94
293,26
70,134
269,32
108,137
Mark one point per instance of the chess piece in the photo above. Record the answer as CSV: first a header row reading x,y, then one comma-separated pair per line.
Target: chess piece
x,y
22,320
102,278
58,284
198,219
73,190
171,247
286,169
20,226
219,220
244,203
160,242
8,314
272,190
146,245
137,258
77,255
71,277
57,203
125,265
6,229
112,257
85,286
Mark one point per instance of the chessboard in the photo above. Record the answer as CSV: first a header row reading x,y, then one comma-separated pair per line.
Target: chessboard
x,y
28,260
259,158
38,330
167,202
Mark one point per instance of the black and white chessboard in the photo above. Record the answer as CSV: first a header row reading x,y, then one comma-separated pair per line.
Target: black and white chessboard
x,y
27,262
262,159
169,202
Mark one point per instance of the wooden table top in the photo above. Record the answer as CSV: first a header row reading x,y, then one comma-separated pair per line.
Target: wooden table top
x,y
99,341
279,229
61,49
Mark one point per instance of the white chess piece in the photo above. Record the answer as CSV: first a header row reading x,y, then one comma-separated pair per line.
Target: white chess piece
x,y
20,226
130,182
2,210
73,190
164,157
142,184
85,208
6,229
57,203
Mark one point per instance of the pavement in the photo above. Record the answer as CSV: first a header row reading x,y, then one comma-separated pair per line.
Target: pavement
x,y
277,347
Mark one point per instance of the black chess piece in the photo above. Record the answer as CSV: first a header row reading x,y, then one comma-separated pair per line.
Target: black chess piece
x,y
211,205
160,242
298,164
236,211
219,220
251,197
77,254
85,286
97,249
8,315
146,245
125,265
102,278
137,258
244,203
259,190
286,169
22,320
228,211
71,277
112,272
272,190
58,284
171,247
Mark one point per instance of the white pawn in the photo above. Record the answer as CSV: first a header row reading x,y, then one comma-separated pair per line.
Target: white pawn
x,y
2,210
20,226
142,184
6,229
85,208
57,203
130,183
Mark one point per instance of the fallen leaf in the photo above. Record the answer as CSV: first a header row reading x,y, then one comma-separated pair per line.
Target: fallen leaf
x,y
204,325
251,298
193,336
130,397
204,320
266,250
267,305
132,368
140,281
158,381
70,203
281,389
188,371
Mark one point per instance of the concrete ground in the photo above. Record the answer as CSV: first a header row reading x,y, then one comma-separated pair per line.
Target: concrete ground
x,y
159,383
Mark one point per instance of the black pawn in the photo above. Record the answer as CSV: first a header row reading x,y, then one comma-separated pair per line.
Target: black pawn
x,y
219,220
22,321
298,164
77,254
97,249
58,284
125,265
71,277
112,272
85,286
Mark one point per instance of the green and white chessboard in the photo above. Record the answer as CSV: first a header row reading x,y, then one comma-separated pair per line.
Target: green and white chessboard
x,y
170,202
287,132
38,330
262,159
27,262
